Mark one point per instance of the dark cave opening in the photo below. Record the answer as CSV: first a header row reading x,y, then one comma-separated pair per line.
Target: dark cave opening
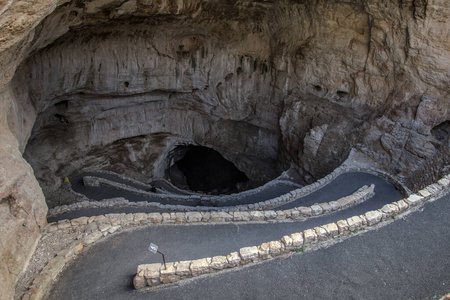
x,y
207,171
441,131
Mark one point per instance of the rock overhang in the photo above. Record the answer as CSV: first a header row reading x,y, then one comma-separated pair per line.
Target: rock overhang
x,y
234,63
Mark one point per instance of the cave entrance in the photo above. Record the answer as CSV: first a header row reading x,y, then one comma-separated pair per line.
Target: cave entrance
x,y
205,170
441,131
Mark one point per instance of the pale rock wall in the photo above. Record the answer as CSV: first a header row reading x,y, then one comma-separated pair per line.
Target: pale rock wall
x,y
22,206
363,57
136,89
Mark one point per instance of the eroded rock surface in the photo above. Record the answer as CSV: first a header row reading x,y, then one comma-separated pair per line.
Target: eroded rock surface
x,y
118,85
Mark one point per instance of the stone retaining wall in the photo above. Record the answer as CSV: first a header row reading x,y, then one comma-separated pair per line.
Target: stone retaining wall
x,y
156,274
432,168
97,227
277,201
95,181
100,226
108,222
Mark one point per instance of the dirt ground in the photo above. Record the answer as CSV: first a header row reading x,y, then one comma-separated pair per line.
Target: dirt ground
x,y
49,245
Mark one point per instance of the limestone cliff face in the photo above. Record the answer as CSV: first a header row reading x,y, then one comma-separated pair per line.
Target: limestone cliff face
x,y
118,85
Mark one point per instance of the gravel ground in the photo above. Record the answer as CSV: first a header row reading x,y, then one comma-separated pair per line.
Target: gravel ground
x,y
49,245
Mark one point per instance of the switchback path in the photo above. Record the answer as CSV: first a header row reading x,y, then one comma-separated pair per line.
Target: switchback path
x,y
408,259
100,193
343,185
105,271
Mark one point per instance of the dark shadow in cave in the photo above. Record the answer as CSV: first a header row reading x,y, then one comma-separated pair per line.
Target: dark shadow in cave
x,y
441,131
206,170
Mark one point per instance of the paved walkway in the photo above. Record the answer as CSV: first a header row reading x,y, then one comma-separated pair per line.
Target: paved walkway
x,y
408,259
100,193
105,271
344,185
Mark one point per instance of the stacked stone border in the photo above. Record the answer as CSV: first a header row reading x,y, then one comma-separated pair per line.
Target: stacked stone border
x,y
97,227
144,185
108,222
205,200
150,275
347,166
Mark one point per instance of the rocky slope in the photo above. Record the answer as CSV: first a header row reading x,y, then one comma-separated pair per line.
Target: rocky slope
x,y
120,84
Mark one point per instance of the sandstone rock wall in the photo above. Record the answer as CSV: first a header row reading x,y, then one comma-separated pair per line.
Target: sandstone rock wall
x,y
146,93
22,207
109,84
174,75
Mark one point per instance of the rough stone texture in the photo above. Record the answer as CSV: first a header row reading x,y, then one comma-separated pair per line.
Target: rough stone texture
x,y
183,268
332,229
287,242
316,209
389,209
140,218
309,236
257,215
281,81
139,282
321,233
373,217
334,205
241,216
444,182
270,215
249,254
156,218
305,211
199,266
92,238
275,248
325,207
221,217
79,221
414,200
306,65
22,209
402,205
264,251
219,262
168,273
346,201
152,273
424,193
234,259
354,223
297,239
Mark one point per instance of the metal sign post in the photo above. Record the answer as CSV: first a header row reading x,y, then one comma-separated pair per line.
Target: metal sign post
x,y
154,249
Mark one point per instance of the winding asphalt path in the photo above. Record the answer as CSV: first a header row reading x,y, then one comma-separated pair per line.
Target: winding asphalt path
x,y
344,185
408,259
105,271
100,193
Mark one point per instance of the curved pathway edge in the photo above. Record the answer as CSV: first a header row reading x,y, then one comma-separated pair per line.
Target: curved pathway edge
x,y
43,282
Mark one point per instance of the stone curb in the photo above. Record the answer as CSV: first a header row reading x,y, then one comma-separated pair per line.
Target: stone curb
x,y
280,178
150,275
195,198
165,218
96,229
277,201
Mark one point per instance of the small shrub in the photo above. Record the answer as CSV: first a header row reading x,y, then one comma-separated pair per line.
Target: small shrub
x,y
301,249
